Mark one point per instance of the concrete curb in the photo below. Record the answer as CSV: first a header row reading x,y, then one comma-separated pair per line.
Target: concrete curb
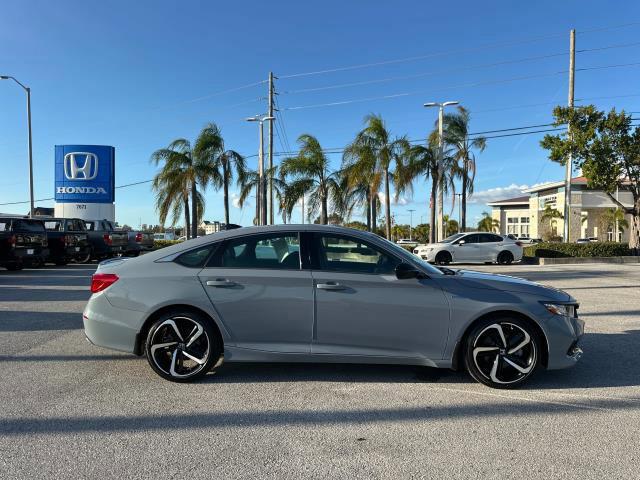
x,y
579,260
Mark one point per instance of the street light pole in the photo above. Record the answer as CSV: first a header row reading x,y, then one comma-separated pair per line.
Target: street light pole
x,y
440,199
411,210
459,195
28,90
261,199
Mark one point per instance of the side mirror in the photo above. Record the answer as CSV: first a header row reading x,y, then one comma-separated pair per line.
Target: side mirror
x,y
461,242
405,271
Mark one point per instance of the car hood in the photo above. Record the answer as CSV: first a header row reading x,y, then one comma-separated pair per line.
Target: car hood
x,y
505,283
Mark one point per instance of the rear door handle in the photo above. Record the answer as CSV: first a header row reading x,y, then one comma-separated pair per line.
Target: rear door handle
x,y
221,283
330,286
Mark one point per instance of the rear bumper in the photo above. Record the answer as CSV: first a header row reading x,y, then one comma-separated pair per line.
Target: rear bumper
x,y
110,327
22,255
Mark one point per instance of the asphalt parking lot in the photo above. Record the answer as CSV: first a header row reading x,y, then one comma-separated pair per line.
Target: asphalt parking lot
x,y
71,410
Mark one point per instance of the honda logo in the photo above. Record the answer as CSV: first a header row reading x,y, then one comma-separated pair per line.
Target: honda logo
x,y
80,166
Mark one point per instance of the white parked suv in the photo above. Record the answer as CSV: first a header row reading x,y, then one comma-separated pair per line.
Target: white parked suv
x,y
472,247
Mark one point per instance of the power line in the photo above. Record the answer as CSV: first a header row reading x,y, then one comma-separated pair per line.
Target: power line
x,y
467,85
452,70
449,52
217,94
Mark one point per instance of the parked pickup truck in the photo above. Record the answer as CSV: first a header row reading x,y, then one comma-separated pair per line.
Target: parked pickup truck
x,y
105,240
68,240
139,242
23,241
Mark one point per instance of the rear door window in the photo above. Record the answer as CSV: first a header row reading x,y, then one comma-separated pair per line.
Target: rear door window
x,y
28,226
277,251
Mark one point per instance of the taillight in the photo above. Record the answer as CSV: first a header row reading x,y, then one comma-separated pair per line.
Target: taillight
x,y
107,239
138,237
12,241
100,281
519,244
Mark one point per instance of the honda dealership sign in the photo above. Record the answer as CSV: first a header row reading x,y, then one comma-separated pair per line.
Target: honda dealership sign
x,y
85,181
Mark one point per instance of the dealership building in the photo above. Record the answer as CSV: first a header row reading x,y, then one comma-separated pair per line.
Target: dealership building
x,y
522,216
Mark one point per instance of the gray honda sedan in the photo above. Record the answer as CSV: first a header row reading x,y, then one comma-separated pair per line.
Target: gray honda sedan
x,y
312,293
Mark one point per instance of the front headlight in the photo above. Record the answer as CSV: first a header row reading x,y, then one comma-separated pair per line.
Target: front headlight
x,y
560,309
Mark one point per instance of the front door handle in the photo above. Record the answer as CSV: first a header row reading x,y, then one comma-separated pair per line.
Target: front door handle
x,y
221,283
334,286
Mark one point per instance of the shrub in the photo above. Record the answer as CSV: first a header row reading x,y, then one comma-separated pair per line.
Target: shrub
x,y
163,243
593,249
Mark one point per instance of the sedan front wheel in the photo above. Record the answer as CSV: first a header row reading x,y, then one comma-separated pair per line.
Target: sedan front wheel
x,y
182,346
502,353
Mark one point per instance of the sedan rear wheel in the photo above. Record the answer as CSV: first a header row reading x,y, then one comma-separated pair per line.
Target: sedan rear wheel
x,y
505,258
182,347
502,353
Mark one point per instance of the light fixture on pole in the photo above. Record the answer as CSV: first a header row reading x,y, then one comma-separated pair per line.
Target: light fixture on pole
x,y
411,210
28,90
440,199
261,199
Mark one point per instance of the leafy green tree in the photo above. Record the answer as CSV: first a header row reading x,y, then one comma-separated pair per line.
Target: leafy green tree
x,y
312,177
488,223
378,151
450,226
421,233
456,135
607,149
357,225
607,221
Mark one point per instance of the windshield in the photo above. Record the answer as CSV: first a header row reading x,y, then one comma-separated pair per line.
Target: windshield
x,y
402,253
453,238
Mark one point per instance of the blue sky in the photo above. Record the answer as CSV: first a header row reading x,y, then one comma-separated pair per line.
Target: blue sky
x,y
137,75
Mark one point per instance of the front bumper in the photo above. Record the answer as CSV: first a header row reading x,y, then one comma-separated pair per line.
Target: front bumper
x,y
564,335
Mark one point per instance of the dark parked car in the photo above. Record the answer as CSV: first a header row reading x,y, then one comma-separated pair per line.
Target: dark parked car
x,y
139,242
68,240
105,240
23,241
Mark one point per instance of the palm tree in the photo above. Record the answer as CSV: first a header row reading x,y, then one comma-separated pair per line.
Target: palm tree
x,y
226,162
172,197
380,152
456,135
359,170
310,176
488,224
548,219
248,181
192,166
450,226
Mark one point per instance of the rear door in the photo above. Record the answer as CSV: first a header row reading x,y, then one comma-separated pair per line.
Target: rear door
x,y
261,293
363,309
490,245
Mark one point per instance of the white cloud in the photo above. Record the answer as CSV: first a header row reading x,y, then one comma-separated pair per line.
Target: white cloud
x,y
399,201
235,201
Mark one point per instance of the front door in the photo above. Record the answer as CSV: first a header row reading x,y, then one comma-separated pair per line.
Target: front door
x,y
261,294
469,251
363,309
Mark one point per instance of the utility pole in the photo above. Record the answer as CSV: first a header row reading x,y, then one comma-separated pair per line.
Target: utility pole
x,y
569,165
303,209
261,194
440,199
270,114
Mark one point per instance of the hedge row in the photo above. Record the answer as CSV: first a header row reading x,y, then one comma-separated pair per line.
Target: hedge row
x,y
163,243
593,249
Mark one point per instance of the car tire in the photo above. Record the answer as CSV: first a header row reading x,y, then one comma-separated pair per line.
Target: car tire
x,y
443,258
85,259
502,352
182,346
505,258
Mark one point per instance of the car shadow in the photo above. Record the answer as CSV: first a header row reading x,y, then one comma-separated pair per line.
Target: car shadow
x,y
610,360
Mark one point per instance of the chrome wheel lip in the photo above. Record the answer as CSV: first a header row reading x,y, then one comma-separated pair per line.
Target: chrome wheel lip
x,y
178,348
503,353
